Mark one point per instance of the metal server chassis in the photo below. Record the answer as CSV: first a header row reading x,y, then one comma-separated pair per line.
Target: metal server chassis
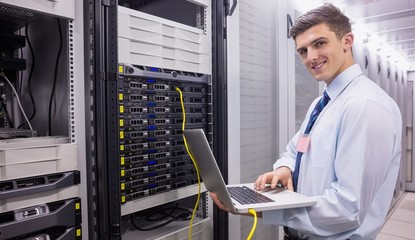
x,y
152,157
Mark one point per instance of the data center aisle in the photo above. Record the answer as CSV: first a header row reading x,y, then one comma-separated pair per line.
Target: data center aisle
x,y
401,220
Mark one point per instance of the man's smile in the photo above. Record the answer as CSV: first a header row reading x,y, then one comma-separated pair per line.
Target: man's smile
x,y
318,66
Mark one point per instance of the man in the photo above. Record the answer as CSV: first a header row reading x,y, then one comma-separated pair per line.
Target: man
x,y
348,159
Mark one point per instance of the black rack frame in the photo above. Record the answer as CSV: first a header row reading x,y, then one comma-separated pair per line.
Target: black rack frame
x,y
101,119
220,118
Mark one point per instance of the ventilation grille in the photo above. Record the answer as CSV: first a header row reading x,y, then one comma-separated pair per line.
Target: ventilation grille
x,y
14,19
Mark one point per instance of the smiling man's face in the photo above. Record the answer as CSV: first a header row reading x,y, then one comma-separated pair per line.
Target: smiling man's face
x,y
323,54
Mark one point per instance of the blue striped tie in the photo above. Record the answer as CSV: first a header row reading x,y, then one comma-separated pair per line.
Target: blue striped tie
x,y
316,111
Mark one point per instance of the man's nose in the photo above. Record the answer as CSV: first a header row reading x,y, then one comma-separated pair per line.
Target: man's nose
x,y
312,54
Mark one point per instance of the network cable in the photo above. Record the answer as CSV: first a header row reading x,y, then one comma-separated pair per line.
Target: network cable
x,y
251,211
194,163
251,233
55,77
17,98
29,79
161,216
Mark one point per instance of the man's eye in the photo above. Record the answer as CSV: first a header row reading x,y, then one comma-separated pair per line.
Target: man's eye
x,y
320,43
302,51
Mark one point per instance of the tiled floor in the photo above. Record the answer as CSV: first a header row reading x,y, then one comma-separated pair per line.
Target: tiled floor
x,y
401,221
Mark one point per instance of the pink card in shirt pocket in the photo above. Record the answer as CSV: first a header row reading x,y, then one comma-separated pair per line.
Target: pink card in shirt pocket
x,y
303,143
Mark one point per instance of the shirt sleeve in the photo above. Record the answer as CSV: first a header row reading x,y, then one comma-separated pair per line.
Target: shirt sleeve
x,y
287,159
366,140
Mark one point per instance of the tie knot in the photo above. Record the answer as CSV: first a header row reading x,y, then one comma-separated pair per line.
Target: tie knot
x,y
326,96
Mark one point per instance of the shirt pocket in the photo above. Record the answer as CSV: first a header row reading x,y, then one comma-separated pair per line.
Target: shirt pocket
x,y
322,147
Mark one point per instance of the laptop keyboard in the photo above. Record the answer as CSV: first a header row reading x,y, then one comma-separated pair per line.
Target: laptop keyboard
x,y
245,195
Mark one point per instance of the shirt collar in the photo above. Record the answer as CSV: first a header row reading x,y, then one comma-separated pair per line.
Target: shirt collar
x,y
343,80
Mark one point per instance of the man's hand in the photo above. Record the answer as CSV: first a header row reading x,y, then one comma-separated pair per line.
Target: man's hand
x,y
281,175
218,203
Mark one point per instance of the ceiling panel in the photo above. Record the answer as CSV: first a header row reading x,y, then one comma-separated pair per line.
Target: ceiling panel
x,y
392,23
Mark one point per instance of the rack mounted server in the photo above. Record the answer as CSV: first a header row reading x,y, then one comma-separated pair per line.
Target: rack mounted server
x,y
153,158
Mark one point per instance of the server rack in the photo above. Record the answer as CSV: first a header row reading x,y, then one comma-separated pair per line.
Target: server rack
x,y
135,117
40,176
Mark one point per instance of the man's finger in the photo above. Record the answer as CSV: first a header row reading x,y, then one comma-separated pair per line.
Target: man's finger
x,y
218,202
289,185
275,180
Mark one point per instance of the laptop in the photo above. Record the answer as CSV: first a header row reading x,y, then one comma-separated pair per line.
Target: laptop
x,y
239,197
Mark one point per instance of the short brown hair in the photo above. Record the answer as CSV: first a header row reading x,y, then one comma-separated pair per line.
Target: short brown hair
x,y
328,14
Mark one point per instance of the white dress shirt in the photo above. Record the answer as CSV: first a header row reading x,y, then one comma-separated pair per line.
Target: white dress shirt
x,y
352,163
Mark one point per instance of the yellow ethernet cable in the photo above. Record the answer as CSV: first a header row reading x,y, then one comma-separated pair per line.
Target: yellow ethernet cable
x,y
194,163
252,211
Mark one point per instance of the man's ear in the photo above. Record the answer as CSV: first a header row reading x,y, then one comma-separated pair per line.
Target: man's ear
x,y
348,39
